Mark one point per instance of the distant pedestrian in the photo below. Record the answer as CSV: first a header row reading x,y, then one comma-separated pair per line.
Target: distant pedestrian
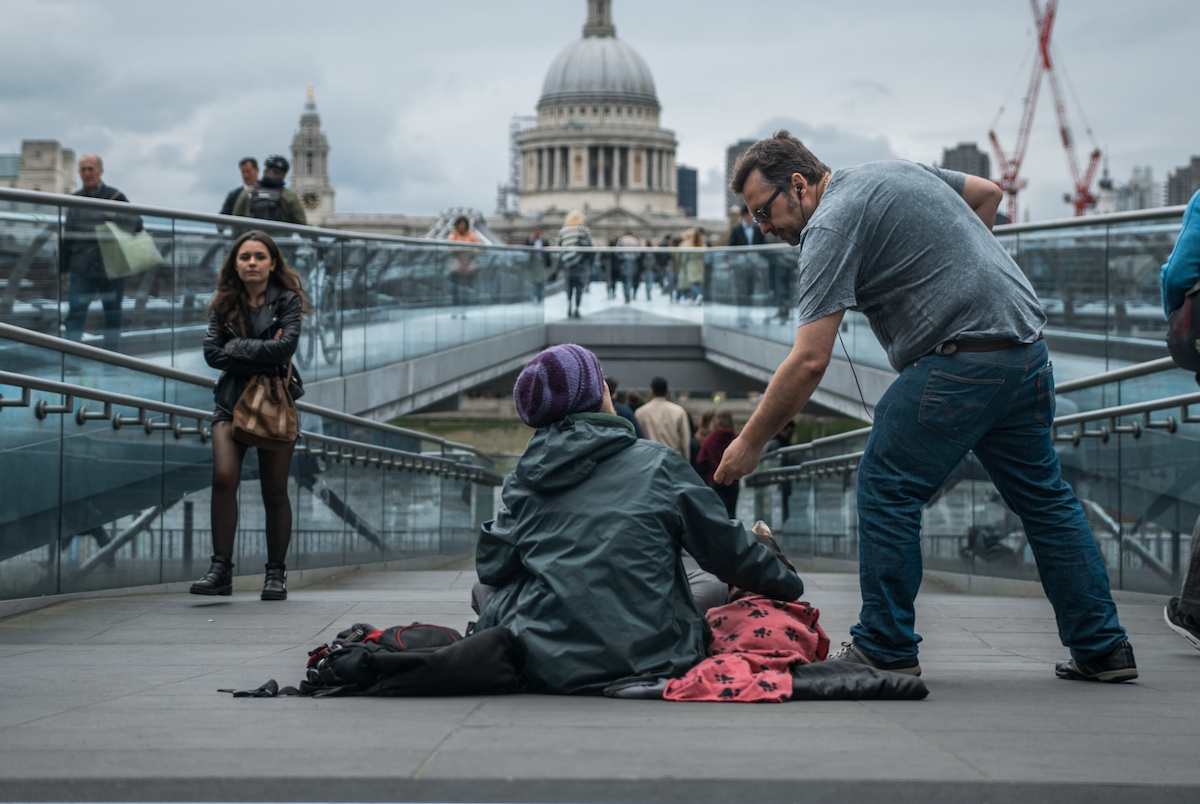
x,y
664,421
253,329
746,233
574,262
712,449
629,263
635,401
780,440
623,410
464,267
268,199
540,262
82,262
249,168
1180,275
691,266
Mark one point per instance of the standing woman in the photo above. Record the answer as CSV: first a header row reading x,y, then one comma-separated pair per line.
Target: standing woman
x,y
712,449
253,329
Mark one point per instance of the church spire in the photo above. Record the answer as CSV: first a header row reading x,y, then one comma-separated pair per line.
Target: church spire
x,y
599,22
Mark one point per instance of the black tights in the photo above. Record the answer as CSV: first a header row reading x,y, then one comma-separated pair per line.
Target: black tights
x,y
273,467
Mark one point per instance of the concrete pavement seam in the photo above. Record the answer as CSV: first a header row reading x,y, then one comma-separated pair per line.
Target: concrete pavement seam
x,y
437,749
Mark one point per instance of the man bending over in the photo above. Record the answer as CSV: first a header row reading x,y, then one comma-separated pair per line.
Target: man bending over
x,y
587,550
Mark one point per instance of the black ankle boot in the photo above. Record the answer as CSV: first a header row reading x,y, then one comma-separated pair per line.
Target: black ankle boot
x,y
218,580
275,584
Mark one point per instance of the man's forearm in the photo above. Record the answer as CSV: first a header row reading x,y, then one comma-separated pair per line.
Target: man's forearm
x,y
987,212
789,390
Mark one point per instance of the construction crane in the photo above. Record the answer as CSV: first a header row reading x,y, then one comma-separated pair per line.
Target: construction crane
x,y
1010,180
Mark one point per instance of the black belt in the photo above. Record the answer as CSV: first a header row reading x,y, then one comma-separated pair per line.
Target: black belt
x,y
980,345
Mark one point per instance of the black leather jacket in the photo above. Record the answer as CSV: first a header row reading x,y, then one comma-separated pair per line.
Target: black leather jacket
x,y
240,358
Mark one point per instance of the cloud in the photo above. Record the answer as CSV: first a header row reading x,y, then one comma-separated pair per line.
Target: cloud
x,y
834,146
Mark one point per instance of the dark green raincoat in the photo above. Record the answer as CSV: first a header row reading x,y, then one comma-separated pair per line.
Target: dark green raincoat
x,y
587,554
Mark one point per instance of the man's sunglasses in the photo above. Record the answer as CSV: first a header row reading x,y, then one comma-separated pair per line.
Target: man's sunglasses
x,y
761,215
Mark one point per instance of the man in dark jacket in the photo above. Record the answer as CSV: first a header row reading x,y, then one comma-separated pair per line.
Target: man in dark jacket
x,y
587,552
81,261
745,233
249,169
620,408
269,199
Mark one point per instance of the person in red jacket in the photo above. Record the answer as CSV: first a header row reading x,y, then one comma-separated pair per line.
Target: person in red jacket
x,y
711,452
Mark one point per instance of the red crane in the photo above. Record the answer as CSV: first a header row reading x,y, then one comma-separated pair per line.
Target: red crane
x,y
1010,166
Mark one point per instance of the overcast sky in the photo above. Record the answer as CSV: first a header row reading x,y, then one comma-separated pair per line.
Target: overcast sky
x,y
415,96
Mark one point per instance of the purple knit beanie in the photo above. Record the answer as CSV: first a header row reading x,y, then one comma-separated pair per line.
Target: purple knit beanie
x,y
560,381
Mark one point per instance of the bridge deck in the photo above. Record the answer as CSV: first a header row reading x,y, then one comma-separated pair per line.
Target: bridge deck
x,y
115,698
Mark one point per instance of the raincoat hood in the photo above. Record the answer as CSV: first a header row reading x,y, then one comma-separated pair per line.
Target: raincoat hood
x,y
564,454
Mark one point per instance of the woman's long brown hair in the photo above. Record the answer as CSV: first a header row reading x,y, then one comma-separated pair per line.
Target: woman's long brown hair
x,y
231,297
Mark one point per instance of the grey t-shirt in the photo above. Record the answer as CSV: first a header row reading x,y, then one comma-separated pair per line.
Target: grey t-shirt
x,y
895,241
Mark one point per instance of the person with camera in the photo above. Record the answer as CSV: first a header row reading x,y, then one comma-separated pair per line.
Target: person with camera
x,y
268,199
1180,282
253,330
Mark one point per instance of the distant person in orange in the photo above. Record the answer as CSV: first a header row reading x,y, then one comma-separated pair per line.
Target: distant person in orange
x,y
462,277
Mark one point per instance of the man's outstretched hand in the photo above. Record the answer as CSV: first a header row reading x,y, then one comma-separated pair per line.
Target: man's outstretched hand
x,y
739,460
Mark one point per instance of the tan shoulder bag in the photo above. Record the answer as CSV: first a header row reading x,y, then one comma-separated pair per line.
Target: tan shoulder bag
x,y
265,415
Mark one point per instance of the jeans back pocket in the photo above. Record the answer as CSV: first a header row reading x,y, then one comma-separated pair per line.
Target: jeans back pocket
x,y
1043,408
952,404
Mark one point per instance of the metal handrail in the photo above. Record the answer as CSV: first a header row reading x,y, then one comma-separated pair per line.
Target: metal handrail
x,y
56,199
834,465
82,415
1116,375
398,458
820,442
1170,424
1093,220
83,202
42,340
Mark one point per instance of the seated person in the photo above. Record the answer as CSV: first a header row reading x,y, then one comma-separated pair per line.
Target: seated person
x,y
586,556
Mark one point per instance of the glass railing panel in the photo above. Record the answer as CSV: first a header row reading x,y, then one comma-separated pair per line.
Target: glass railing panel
x,y
199,252
29,512
1136,253
1156,505
320,507
319,263
358,256
385,307
112,486
425,515
458,517
751,290
364,514
31,281
399,515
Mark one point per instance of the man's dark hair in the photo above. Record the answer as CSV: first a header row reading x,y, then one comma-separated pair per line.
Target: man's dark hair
x,y
658,386
777,159
745,209
612,385
249,159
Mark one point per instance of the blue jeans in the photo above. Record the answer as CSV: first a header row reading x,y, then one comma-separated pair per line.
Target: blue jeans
x,y
1000,406
83,288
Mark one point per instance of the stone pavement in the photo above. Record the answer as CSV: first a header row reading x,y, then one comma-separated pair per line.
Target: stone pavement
x,y
115,699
